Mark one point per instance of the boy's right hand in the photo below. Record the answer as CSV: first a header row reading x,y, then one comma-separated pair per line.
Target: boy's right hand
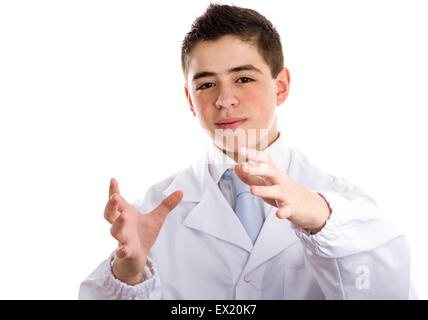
x,y
135,232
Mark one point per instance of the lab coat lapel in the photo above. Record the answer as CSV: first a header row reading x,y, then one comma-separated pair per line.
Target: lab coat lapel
x,y
275,236
212,214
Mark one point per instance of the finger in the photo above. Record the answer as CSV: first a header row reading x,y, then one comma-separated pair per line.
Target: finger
x,y
122,203
122,251
284,212
117,229
250,179
254,155
115,205
167,205
111,211
273,192
114,187
265,170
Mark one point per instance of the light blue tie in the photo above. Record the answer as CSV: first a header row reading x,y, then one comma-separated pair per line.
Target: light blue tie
x,y
245,206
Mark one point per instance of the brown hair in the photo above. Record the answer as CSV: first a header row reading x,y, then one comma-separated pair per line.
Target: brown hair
x,y
247,24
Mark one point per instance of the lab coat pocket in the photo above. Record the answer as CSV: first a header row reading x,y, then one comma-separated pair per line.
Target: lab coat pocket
x,y
297,284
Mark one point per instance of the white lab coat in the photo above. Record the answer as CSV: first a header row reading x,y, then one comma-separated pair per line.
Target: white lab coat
x,y
203,251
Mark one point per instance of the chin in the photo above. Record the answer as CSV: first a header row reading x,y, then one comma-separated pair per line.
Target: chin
x,y
231,140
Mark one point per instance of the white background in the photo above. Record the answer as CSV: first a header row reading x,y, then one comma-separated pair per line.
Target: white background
x,y
93,89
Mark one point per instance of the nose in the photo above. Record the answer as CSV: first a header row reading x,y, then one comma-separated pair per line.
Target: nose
x,y
226,98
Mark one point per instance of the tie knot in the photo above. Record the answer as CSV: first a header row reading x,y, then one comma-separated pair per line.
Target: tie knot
x,y
227,175
238,184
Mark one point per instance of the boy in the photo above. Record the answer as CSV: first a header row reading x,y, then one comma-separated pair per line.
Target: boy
x,y
271,227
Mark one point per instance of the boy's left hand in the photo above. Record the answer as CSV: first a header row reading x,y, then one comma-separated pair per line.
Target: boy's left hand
x,y
294,201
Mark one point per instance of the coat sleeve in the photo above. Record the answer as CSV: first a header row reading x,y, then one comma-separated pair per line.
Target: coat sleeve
x,y
101,284
358,254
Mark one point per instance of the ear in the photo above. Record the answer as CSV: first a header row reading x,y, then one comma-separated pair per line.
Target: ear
x,y
283,85
189,99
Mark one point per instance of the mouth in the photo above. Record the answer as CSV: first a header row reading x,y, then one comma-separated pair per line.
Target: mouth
x,y
230,123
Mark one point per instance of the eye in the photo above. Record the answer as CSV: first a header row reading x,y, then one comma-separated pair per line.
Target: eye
x,y
205,86
244,80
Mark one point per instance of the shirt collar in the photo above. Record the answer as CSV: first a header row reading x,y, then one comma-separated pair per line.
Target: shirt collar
x,y
218,162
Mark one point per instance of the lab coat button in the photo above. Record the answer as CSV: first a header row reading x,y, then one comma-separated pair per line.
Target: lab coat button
x,y
247,279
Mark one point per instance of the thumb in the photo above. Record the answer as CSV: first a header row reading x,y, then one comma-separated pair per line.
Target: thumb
x,y
248,178
114,187
167,205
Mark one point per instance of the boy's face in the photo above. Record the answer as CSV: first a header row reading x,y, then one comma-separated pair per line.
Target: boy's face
x,y
230,86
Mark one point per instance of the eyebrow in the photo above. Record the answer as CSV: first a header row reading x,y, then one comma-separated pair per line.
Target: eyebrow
x,y
246,67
